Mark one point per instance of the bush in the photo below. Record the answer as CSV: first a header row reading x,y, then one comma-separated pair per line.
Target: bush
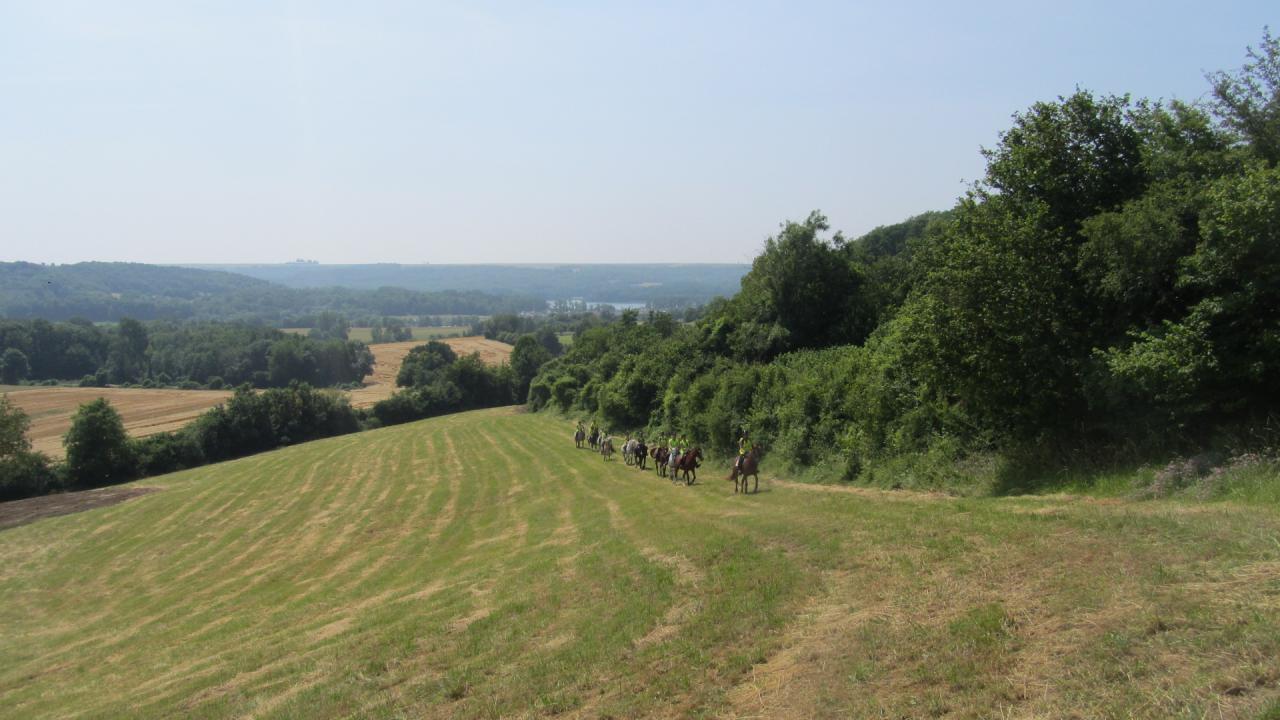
x,y
167,452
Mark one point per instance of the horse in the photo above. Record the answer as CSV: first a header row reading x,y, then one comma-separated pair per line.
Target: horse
x,y
594,439
688,464
641,455
749,466
606,448
629,450
578,436
659,455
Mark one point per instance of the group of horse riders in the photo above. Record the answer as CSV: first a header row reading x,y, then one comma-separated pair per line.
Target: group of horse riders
x,y
671,451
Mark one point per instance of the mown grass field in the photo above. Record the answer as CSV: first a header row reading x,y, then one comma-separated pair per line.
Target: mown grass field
x,y
478,566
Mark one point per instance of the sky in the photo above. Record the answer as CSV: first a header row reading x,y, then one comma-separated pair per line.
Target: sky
x,y
490,132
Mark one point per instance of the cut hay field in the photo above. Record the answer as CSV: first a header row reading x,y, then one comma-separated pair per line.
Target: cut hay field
x,y
145,411
388,357
420,333
478,566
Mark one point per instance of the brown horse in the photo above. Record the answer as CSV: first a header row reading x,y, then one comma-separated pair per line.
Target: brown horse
x,y
688,464
578,436
660,455
749,466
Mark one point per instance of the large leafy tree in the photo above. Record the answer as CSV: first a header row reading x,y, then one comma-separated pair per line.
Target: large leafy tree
x,y
1248,101
98,449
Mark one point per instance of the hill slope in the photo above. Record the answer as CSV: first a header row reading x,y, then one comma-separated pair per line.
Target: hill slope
x,y
106,291
478,566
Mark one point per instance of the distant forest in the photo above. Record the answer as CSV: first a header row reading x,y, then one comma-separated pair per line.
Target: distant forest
x,y
663,286
100,291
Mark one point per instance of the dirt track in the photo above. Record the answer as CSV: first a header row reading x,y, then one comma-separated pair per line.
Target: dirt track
x,y
21,512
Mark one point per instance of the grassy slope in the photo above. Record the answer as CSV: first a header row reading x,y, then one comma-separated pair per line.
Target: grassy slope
x,y
478,566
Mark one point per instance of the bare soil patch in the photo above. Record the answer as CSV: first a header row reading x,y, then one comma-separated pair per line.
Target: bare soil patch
x,y
145,411
22,512
388,357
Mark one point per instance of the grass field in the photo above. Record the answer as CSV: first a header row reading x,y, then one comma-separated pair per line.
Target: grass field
x,y
421,334
478,566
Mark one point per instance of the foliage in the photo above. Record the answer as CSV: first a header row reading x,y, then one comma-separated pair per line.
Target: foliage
x,y
14,366
1112,282
98,450
423,363
170,353
22,472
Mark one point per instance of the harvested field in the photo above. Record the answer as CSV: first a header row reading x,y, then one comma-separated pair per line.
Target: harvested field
x,y
477,566
149,411
387,357
420,333
145,411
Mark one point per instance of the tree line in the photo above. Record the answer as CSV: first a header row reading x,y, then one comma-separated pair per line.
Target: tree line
x,y
180,354
1110,286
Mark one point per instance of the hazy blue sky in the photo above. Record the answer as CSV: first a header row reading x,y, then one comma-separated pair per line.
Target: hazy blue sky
x,y
369,131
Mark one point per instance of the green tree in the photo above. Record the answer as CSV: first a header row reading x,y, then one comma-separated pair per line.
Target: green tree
x,y
1248,101
22,472
527,358
329,326
803,283
424,363
13,428
128,359
98,449
1074,158
14,366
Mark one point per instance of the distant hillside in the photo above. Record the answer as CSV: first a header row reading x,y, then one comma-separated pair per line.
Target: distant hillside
x,y
101,291
641,283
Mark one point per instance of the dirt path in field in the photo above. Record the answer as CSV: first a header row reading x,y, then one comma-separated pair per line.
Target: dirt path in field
x,y
21,512
387,358
145,411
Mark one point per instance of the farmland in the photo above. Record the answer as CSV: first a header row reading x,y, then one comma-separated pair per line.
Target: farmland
x,y
381,383
420,333
476,565
145,411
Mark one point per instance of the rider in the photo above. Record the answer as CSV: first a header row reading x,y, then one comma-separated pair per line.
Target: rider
x,y
579,427
743,446
595,429
684,443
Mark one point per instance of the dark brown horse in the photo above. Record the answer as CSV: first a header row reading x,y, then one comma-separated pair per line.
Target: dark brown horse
x,y
688,465
748,466
660,455
578,436
641,456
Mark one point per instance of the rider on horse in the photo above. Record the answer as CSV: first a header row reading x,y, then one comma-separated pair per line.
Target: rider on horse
x,y
744,445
